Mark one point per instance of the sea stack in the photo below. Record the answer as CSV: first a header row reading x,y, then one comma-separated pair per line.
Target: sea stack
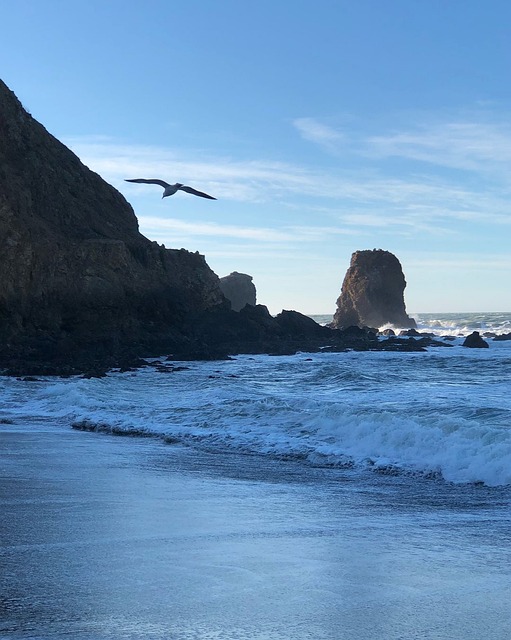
x,y
372,293
239,289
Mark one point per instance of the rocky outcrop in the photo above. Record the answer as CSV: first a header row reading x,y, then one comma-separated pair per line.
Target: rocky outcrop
x,y
239,289
82,290
475,341
76,276
254,330
372,293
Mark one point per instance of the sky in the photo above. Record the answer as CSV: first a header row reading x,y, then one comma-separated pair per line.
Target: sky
x,y
322,128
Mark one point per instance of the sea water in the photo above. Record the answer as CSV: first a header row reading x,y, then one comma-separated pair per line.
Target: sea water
x,y
324,495
445,412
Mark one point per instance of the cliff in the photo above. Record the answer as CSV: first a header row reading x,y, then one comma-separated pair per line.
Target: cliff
x,y
82,290
372,292
75,273
239,289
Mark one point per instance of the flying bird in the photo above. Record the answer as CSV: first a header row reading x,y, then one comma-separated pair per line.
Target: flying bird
x,y
170,189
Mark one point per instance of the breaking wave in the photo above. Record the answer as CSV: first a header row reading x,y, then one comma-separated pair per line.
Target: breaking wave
x,y
444,413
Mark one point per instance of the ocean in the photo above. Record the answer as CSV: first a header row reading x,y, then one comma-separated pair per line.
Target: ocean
x,y
324,495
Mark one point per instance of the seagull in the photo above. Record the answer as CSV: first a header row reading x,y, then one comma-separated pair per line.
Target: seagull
x,y
170,189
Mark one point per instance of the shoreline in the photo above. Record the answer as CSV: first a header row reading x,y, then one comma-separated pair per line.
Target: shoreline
x,y
107,537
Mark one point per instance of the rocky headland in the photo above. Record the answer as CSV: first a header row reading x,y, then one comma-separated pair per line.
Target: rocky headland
x,y
78,281
82,290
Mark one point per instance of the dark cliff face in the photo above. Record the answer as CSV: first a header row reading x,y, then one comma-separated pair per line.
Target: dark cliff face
x,y
74,269
373,292
82,290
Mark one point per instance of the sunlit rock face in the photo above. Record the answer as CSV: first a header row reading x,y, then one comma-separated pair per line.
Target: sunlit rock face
x,y
239,289
372,292
75,273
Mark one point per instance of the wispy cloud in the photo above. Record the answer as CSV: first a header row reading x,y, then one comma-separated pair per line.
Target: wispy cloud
x,y
262,234
473,146
467,143
241,180
370,197
314,131
458,262
239,232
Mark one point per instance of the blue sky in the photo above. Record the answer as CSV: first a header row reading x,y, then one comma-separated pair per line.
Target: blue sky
x,y
322,128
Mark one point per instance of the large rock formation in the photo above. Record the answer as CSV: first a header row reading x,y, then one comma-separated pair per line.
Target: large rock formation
x,y
373,292
239,289
75,273
81,289
474,341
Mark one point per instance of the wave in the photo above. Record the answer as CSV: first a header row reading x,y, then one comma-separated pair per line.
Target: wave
x,y
456,449
444,413
449,324
462,324
341,416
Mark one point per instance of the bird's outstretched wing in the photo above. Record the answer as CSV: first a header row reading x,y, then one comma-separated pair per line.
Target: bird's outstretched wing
x,y
162,183
195,192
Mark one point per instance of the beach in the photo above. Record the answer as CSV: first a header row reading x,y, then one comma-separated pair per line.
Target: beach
x,y
275,405
128,538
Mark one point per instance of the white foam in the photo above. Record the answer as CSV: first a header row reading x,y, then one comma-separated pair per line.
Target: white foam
x,y
446,412
457,324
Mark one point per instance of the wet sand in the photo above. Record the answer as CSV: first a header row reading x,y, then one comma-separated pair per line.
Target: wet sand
x,y
105,537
